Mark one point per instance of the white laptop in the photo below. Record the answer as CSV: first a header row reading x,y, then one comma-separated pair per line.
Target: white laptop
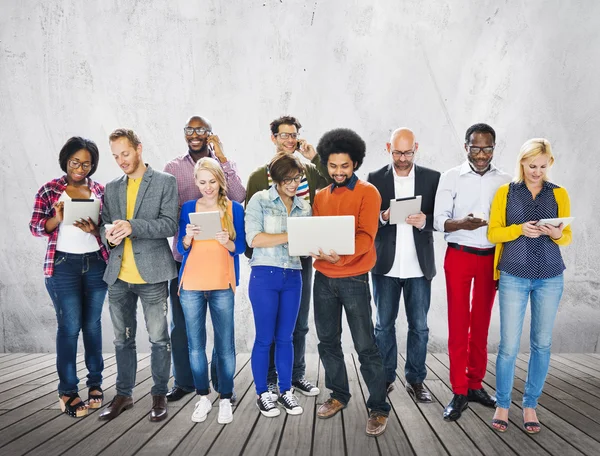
x,y
309,234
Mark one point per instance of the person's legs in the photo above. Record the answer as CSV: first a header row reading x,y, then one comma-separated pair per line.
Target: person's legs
x,y
387,291
182,371
154,302
458,268
417,297
356,298
545,298
513,294
301,328
328,322
65,288
194,305
122,303
484,292
263,291
289,303
221,304
94,293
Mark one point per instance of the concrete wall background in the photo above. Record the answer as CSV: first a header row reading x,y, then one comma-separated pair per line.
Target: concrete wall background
x,y
84,68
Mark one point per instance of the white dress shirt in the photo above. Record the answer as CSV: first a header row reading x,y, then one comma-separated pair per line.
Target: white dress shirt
x,y
461,192
406,262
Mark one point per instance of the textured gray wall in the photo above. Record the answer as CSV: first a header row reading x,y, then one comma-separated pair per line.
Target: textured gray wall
x,y
84,68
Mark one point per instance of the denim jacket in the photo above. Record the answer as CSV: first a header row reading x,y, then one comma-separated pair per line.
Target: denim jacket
x,y
266,213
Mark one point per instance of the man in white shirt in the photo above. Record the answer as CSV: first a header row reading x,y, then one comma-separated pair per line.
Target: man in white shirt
x,y
405,261
462,207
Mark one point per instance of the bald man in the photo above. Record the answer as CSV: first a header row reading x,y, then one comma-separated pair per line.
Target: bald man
x,y
405,261
201,143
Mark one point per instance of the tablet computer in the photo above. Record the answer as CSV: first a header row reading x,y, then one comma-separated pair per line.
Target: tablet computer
x,y
400,208
209,223
307,235
555,221
77,209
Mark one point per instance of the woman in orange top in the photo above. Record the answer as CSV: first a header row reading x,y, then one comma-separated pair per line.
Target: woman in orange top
x,y
208,277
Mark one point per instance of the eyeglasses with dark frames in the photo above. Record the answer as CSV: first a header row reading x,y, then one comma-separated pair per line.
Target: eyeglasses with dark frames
x,y
287,135
189,131
407,154
289,180
474,150
74,164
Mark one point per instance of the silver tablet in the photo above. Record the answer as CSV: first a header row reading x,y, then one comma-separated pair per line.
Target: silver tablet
x,y
401,208
555,221
209,223
77,209
307,235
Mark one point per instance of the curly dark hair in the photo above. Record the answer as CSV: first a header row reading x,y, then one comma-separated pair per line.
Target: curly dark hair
x,y
73,145
284,120
479,128
342,141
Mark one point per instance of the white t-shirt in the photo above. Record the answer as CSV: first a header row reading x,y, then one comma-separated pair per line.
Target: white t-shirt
x,y
72,239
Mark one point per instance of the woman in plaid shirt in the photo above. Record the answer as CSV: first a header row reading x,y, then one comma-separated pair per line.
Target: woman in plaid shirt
x,y
73,269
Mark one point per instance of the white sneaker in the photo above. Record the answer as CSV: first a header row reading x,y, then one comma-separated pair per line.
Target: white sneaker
x,y
266,406
203,406
225,412
273,390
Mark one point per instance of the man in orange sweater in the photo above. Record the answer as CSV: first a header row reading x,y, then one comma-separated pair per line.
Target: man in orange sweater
x,y
343,281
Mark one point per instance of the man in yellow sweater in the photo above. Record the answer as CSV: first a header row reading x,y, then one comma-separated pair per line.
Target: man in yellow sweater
x,y
139,214
343,281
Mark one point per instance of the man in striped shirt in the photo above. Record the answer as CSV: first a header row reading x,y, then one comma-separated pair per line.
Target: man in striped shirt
x,y
285,137
201,143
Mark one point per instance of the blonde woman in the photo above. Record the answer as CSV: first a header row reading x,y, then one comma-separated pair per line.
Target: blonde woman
x,y
530,267
208,277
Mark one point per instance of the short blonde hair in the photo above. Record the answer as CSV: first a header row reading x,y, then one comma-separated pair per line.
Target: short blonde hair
x,y
131,136
532,149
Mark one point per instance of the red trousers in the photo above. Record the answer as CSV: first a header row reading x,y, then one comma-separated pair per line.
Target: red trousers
x,y
471,289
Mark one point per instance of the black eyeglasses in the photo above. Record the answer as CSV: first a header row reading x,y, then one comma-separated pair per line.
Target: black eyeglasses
x,y
289,180
74,164
407,154
287,135
474,150
189,131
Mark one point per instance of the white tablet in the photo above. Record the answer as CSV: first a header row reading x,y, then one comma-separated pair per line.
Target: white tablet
x,y
307,235
209,223
77,209
401,208
555,221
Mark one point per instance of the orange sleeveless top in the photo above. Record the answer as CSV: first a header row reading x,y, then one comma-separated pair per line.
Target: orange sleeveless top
x,y
209,265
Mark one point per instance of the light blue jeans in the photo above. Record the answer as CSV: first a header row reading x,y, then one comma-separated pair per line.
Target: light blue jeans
x,y
514,293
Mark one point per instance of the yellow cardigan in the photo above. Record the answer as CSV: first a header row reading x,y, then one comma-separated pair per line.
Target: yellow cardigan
x,y
498,233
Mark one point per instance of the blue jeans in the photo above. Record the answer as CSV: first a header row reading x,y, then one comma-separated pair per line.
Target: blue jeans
x,y
417,296
182,371
220,302
514,292
301,329
122,299
353,295
77,292
275,297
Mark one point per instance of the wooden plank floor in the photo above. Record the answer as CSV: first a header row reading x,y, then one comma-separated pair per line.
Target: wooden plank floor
x,y
31,422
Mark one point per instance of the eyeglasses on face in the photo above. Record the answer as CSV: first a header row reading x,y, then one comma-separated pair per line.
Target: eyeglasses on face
x,y
407,154
289,180
474,150
189,131
74,164
286,135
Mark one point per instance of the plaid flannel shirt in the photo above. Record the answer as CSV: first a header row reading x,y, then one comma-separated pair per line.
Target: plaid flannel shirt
x,y
45,198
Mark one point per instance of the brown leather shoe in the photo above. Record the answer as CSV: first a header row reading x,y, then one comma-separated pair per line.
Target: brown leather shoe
x,y
159,408
329,408
418,392
117,405
376,424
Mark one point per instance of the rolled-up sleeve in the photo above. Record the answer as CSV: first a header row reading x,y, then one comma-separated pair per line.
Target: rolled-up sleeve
x,y
254,219
444,202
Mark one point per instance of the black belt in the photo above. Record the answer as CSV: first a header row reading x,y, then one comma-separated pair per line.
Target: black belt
x,y
474,250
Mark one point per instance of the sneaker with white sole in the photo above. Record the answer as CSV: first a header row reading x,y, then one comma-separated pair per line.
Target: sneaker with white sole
x,y
203,406
289,402
306,387
266,406
273,390
225,412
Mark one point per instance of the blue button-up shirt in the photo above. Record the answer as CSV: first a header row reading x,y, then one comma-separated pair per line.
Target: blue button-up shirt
x,y
266,213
